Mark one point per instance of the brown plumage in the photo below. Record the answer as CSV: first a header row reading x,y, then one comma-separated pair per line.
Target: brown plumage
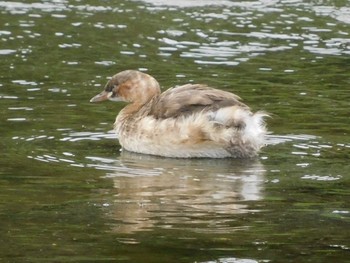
x,y
191,98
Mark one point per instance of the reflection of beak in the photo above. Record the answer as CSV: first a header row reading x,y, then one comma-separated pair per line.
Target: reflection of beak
x,y
104,95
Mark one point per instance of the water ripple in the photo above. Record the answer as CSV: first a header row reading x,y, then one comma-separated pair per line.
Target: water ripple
x,y
321,177
20,8
233,260
217,47
91,136
277,139
7,51
341,14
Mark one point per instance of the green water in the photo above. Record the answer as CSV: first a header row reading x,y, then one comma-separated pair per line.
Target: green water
x,y
67,192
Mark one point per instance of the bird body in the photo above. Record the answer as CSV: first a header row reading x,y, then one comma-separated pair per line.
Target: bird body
x,y
188,121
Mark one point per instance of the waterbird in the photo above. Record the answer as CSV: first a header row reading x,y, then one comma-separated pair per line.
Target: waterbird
x,y
188,121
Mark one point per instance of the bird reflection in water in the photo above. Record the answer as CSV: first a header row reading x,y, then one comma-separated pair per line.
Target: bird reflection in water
x,y
154,192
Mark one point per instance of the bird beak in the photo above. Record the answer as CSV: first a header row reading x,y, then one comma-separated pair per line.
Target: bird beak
x,y
104,95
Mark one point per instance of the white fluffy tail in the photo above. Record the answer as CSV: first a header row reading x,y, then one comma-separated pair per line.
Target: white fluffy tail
x,y
255,129
249,129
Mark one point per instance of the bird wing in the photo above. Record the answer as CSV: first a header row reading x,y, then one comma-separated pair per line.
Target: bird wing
x,y
191,98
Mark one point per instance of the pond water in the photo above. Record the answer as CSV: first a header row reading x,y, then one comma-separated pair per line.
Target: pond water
x,y
69,194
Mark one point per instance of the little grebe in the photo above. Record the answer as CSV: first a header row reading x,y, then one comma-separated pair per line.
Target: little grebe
x,y
186,121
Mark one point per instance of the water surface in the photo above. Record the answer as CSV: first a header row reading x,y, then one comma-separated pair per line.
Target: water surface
x,y
67,191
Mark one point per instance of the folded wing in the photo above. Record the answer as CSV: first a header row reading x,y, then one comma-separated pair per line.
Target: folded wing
x,y
192,98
